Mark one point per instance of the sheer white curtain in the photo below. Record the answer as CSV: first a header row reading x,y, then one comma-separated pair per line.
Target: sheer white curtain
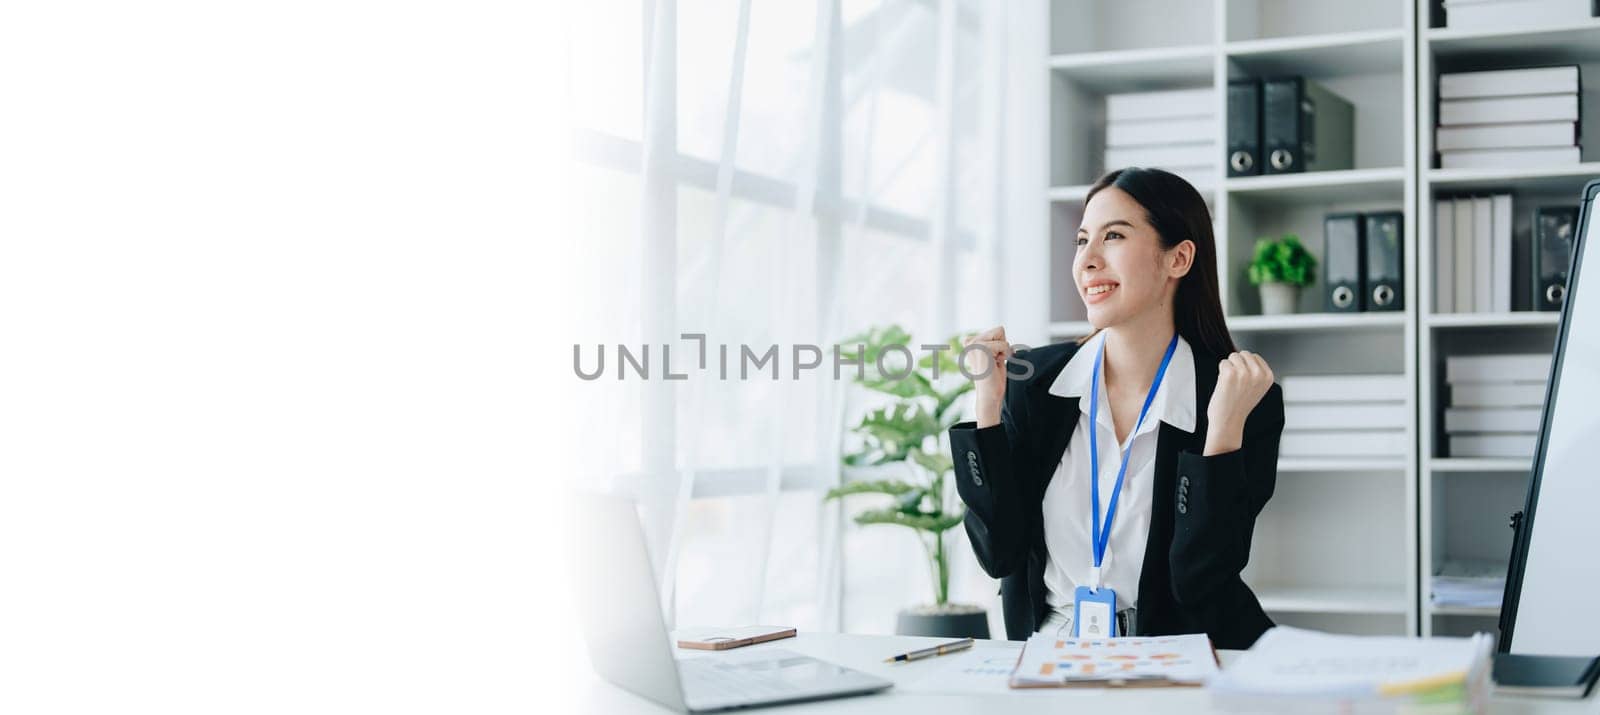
x,y
778,174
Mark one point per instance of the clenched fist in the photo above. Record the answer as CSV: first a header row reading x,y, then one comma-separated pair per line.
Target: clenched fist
x,y
1242,380
989,390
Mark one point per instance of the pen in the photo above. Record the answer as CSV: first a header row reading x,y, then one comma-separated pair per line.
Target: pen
x,y
931,651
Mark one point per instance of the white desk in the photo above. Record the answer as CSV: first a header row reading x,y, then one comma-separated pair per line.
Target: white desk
x,y
866,653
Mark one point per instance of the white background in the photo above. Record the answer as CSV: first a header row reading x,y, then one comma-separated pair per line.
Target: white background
x,y
277,290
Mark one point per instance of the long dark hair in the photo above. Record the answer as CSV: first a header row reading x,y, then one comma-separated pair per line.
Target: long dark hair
x,y
1177,211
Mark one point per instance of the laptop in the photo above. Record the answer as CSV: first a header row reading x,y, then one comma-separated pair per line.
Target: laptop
x,y
630,647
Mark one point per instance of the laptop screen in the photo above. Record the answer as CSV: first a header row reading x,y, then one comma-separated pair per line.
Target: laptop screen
x,y
1551,609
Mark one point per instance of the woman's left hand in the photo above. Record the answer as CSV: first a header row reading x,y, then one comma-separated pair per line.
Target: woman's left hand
x,y
1242,380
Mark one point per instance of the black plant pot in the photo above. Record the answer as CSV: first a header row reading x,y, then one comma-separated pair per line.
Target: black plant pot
x,y
952,620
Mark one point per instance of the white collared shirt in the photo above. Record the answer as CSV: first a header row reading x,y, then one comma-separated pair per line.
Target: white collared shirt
x,y
1067,501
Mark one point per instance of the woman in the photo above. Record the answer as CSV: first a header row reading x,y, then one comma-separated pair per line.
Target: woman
x,y
1170,543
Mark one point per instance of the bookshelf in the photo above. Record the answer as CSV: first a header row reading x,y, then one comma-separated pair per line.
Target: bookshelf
x,y
1309,567
1333,599
1464,503
1316,322
1384,56
1340,464
1574,41
1318,187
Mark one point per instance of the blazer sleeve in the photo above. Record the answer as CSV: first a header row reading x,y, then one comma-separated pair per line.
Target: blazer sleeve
x,y
1218,499
988,464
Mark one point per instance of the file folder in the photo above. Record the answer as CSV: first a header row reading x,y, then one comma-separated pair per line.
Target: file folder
x,y
1305,127
1343,263
1385,276
1552,254
1244,127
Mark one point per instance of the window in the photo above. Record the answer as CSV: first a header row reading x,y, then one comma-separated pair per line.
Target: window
x,y
846,179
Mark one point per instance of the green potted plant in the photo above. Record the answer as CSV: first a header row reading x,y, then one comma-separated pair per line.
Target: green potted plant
x,y
901,456
1280,268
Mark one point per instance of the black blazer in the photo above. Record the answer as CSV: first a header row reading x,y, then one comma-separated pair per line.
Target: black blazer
x,y
1203,508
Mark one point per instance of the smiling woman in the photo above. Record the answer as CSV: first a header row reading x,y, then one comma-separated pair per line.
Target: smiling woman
x,y
1171,230
1039,459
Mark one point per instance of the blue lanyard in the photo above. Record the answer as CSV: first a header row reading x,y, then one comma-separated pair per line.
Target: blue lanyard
x,y
1101,538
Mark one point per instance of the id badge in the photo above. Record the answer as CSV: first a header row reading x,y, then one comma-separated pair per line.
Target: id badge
x,y
1094,613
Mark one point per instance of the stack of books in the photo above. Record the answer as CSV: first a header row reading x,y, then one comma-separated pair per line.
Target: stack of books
x,y
1508,119
1294,670
1174,130
1496,404
1343,416
1472,254
1469,583
1505,14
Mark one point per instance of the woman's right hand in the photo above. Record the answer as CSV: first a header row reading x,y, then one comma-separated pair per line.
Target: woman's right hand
x,y
989,386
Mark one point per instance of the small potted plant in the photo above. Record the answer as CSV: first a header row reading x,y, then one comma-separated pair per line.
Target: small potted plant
x,y
1280,269
900,456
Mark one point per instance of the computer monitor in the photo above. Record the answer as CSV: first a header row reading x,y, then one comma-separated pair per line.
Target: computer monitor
x,y
1552,596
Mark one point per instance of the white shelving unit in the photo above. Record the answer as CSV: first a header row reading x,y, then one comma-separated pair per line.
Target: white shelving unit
x,y
1384,56
1315,322
1341,464
1476,464
1318,187
1465,502
1332,599
1308,565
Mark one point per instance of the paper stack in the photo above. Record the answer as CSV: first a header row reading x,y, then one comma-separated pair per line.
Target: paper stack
x,y
1508,119
1472,254
1507,14
1053,662
1293,670
1343,416
1496,404
1174,130
1471,583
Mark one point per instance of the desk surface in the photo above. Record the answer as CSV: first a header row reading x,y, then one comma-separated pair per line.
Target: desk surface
x,y
866,653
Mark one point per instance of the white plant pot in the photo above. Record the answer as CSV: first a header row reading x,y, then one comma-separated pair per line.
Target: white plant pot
x,y
1279,298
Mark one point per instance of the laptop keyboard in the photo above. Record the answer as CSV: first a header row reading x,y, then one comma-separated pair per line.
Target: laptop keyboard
x,y
719,681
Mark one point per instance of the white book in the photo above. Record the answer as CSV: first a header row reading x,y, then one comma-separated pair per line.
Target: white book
x,y
1495,110
1303,671
1148,132
1505,14
1355,415
1299,389
1444,257
1497,369
1506,136
1494,445
1532,158
1482,270
1516,394
1464,254
1531,367
1469,582
1500,234
1180,155
1166,104
1504,419
1343,443
1509,83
